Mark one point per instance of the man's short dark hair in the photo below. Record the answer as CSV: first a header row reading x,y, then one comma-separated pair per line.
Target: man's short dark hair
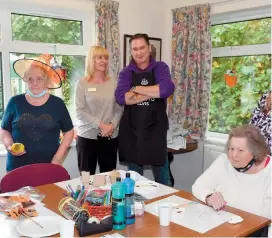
x,y
140,36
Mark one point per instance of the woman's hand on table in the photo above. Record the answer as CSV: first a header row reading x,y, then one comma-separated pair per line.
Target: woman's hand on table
x,y
216,201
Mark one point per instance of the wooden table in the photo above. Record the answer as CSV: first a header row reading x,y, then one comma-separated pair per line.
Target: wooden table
x,y
148,225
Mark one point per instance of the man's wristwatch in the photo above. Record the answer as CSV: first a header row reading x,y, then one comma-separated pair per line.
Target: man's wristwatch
x,y
133,89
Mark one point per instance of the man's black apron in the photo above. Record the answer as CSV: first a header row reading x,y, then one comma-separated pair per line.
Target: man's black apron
x,y
143,127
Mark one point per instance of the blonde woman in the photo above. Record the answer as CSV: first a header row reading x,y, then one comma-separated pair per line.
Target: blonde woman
x,y
98,114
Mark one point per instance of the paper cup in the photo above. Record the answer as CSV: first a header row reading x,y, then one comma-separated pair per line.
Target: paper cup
x,y
165,212
85,178
113,179
67,228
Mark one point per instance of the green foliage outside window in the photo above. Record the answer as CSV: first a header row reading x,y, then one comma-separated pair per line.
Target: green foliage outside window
x,y
46,30
232,106
242,33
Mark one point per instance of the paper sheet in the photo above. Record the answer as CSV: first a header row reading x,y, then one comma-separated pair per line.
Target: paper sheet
x,y
177,143
150,192
8,226
197,217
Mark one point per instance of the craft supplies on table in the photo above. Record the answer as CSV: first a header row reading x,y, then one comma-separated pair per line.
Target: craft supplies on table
x,y
98,203
71,210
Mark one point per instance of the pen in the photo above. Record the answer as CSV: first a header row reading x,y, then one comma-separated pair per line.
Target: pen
x,y
77,192
69,191
71,188
80,195
146,185
185,205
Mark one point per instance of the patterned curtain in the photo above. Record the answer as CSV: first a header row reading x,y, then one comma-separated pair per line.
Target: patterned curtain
x,y
107,31
191,68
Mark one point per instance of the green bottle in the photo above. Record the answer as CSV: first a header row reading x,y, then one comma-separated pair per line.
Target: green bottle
x,y
118,205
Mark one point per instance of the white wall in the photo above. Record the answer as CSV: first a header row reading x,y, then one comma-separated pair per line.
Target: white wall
x,y
140,16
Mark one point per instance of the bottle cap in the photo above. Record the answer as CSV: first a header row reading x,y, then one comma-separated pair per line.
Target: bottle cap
x,y
118,179
127,175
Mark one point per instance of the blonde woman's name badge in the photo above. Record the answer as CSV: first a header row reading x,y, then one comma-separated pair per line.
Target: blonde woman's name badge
x,y
91,89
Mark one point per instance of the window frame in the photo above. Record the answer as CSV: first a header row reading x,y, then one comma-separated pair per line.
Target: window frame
x,y
244,50
7,45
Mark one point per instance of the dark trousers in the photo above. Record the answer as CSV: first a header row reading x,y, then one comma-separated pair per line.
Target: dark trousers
x,y
90,151
161,173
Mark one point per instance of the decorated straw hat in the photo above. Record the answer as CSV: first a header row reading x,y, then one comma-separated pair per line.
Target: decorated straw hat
x,y
21,66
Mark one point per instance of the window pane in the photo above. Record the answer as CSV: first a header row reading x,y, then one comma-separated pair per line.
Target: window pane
x,y
46,30
242,33
0,34
232,106
75,70
1,90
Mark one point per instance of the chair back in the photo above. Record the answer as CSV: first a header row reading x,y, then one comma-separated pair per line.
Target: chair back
x,y
33,175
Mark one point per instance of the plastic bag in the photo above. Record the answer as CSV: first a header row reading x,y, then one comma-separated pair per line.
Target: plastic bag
x,y
11,209
33,193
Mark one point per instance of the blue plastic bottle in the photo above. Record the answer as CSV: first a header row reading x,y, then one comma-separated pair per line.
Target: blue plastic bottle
x,y
129,199
118,205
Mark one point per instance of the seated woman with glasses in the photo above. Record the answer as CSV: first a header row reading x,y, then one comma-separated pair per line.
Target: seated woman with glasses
x,y
242,177
35,119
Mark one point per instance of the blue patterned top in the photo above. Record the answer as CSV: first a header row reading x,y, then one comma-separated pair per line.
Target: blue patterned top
x,y
37,127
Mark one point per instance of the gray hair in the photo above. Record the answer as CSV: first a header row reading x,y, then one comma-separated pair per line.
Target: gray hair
x,y
256,143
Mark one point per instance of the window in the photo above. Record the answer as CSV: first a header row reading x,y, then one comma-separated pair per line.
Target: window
x,y
243,47
0,34
46,30
36,31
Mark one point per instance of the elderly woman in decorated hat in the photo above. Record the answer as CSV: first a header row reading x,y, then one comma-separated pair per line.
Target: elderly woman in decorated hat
x,y
32,122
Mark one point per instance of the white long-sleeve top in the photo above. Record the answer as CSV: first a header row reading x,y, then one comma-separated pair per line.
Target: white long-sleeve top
x,y
248,192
